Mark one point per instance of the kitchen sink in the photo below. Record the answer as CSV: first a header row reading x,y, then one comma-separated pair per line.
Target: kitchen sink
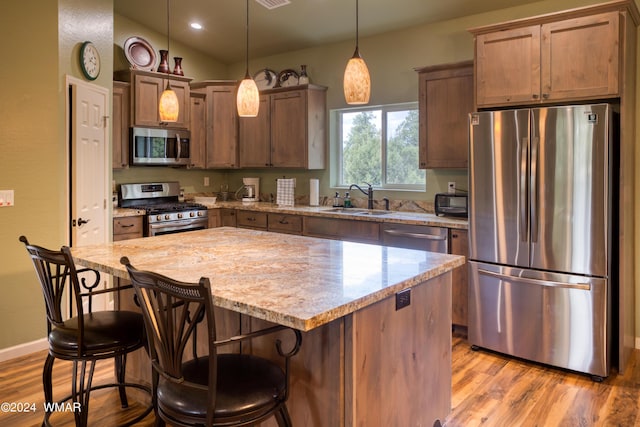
x,y
374,213
355,211
347,210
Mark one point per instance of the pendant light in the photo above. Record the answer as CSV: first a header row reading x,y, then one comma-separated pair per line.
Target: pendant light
x,y
248,98
357,82
169,106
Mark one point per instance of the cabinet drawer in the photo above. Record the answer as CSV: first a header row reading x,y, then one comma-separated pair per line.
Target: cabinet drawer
x,y
342,229
127,228
251,219
291,224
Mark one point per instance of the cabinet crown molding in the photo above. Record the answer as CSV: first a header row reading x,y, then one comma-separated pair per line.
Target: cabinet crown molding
x,y
620,5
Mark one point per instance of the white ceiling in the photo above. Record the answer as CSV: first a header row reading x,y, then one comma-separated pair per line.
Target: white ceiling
x,y
298,25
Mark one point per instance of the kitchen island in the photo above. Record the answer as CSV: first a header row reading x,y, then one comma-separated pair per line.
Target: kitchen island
x,y
364,361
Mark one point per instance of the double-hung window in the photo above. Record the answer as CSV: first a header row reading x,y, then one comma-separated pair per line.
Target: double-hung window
x,y
378,145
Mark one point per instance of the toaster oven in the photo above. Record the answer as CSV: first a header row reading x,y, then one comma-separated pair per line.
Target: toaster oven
x,y
451,204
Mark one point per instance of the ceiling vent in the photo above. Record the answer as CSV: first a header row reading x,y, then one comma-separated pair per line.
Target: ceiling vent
x,y
273,4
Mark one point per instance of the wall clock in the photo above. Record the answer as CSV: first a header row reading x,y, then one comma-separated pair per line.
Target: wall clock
x,y
89,60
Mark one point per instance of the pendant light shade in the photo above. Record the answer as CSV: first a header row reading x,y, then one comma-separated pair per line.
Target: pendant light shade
x,y
169,107
248,98
357,82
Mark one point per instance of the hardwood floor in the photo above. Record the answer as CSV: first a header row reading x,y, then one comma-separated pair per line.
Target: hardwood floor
x,y
488,389
495,390
21,383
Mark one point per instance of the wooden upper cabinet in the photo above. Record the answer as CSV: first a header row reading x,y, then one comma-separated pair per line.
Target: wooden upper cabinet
x,y
580,57
445,101
198,131
120,126
289,132
288,129
568,56
221,122
508,66
255,137
146,89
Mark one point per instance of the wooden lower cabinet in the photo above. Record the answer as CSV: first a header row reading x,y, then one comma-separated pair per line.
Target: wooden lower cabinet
x,y
227,217
125,228
459,245
341,229
284,223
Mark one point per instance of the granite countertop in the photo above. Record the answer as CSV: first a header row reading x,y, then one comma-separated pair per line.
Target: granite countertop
x,y
125,212
296,281
398,217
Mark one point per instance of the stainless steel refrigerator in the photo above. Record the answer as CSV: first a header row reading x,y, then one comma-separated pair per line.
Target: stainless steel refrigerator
x,y
540,234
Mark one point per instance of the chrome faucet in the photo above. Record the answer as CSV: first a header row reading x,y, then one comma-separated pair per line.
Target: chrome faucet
x,y
368,193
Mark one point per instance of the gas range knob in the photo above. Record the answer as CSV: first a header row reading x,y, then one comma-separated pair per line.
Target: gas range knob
x,y
200,213
192,214
167,216
179,216
158,217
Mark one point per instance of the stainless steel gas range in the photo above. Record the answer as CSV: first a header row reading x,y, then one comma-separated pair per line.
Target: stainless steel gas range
x,y
165,214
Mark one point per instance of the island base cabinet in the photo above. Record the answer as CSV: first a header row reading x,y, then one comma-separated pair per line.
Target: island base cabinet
x,y
376,367
398,362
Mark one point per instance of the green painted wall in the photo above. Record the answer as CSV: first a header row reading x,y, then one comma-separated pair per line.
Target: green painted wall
x,y
42,47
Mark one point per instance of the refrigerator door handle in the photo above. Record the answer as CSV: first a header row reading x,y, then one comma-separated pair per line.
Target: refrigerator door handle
x,y
522,189
535,142
550,283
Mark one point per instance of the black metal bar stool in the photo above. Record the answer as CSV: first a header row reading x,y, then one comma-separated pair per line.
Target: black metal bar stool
x,y
215,389
83,336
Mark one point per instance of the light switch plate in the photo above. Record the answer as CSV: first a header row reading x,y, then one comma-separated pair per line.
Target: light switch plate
x,y
6,198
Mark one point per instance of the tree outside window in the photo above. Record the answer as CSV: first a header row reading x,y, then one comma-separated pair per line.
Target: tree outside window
x,y
380,147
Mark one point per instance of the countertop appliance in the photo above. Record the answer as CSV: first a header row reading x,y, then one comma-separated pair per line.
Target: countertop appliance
x,y
165,214
159,147
451,204
250,189
540,234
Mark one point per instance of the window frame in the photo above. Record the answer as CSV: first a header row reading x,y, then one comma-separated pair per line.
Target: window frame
x,y
337,138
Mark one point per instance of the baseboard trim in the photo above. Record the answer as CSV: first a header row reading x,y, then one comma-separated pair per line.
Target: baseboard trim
x,y
23,349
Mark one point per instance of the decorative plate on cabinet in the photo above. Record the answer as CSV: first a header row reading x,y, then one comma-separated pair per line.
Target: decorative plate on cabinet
x,y
287,78
139,53
265,79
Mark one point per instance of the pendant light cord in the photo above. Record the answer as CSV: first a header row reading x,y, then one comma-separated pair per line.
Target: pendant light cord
x,y
247,28
168,27
357,25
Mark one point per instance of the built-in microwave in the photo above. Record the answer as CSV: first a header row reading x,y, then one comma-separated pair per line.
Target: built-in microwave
x,y
159,147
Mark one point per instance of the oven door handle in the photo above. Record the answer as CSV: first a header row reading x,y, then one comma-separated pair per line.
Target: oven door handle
x,y
177,226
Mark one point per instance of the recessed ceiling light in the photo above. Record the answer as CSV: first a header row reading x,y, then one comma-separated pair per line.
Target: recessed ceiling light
x,y
196,26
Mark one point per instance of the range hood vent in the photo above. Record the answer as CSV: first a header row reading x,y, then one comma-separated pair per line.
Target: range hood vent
x,y
273,4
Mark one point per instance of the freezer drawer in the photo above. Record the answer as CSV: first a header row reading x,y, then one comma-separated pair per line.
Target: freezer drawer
x,y
556,319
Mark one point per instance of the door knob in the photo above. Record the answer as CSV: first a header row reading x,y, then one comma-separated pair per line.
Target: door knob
x,y
82,221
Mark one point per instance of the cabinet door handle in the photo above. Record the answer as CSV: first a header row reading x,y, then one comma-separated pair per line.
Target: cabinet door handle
x,y
126,225
535,96
283,221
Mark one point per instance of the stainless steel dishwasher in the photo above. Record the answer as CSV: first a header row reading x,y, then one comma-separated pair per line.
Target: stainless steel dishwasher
x,y
424,237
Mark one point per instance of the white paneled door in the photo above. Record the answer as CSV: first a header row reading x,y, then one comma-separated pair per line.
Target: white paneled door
x,y
89,177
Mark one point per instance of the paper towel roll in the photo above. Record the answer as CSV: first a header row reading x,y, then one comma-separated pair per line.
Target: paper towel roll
x,y
314,192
